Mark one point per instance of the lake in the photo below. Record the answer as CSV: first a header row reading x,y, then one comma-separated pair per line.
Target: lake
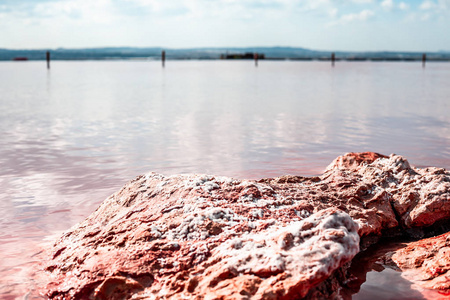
x,y
72,135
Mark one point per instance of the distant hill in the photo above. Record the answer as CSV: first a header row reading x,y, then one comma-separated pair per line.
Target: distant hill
x,y
292,53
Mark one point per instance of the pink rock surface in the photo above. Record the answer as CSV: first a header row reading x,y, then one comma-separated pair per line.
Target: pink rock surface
x,y
206,237
419,197
427,262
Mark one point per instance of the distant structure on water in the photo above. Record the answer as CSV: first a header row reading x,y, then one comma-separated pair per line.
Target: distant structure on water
x,y
247,55
20,58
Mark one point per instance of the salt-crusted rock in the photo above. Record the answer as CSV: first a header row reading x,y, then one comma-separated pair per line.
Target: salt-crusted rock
x,y
419,197
426,262
192,236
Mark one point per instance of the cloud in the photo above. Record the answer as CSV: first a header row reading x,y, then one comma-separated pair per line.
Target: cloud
x,y
403,6
99,11
427,4
444,4
425,17
428,11
154,8
390,5
204,22
361,16
315,4
434,10
387,4
333,12
441,5
362,1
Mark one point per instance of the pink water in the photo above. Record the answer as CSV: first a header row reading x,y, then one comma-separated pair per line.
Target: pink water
x,y
75,134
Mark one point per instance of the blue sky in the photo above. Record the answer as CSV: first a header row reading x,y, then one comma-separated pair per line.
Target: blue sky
x,y
355,25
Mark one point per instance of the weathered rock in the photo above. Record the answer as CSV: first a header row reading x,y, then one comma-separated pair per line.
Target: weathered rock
x,y
427,262
192,236
418,197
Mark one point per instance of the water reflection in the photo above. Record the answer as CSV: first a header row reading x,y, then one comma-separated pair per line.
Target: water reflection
x,y
373,275
75,134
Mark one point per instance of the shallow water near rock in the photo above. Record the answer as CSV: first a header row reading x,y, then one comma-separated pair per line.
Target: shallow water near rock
x,y
386,284
75,134
376,277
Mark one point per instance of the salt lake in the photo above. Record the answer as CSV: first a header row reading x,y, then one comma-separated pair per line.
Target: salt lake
x,y
74,134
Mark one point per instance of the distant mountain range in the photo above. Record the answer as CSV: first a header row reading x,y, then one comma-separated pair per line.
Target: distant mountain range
x,y
290,53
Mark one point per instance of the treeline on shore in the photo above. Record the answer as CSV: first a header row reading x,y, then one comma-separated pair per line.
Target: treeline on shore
x,y
268,53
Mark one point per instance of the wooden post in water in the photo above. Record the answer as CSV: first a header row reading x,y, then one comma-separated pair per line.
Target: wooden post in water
x,y
163,58
256,59
48,59
333,58
424,60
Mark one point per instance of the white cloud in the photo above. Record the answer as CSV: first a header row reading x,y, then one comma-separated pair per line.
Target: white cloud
x,y
362,1
427,4
441,5
99,11
444,4
333,12
315,4
433,10
425,17
403,6
38,23
387,4
361,16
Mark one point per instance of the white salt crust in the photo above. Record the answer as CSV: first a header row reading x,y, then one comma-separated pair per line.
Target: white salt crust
x,y
319,243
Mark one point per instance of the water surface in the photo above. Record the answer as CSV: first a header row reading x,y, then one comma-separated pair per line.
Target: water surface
x,y
72,135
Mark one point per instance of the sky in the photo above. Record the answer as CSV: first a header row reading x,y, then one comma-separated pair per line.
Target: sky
x,y
334,25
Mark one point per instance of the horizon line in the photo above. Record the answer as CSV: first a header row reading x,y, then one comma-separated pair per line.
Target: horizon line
x,y
221,48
